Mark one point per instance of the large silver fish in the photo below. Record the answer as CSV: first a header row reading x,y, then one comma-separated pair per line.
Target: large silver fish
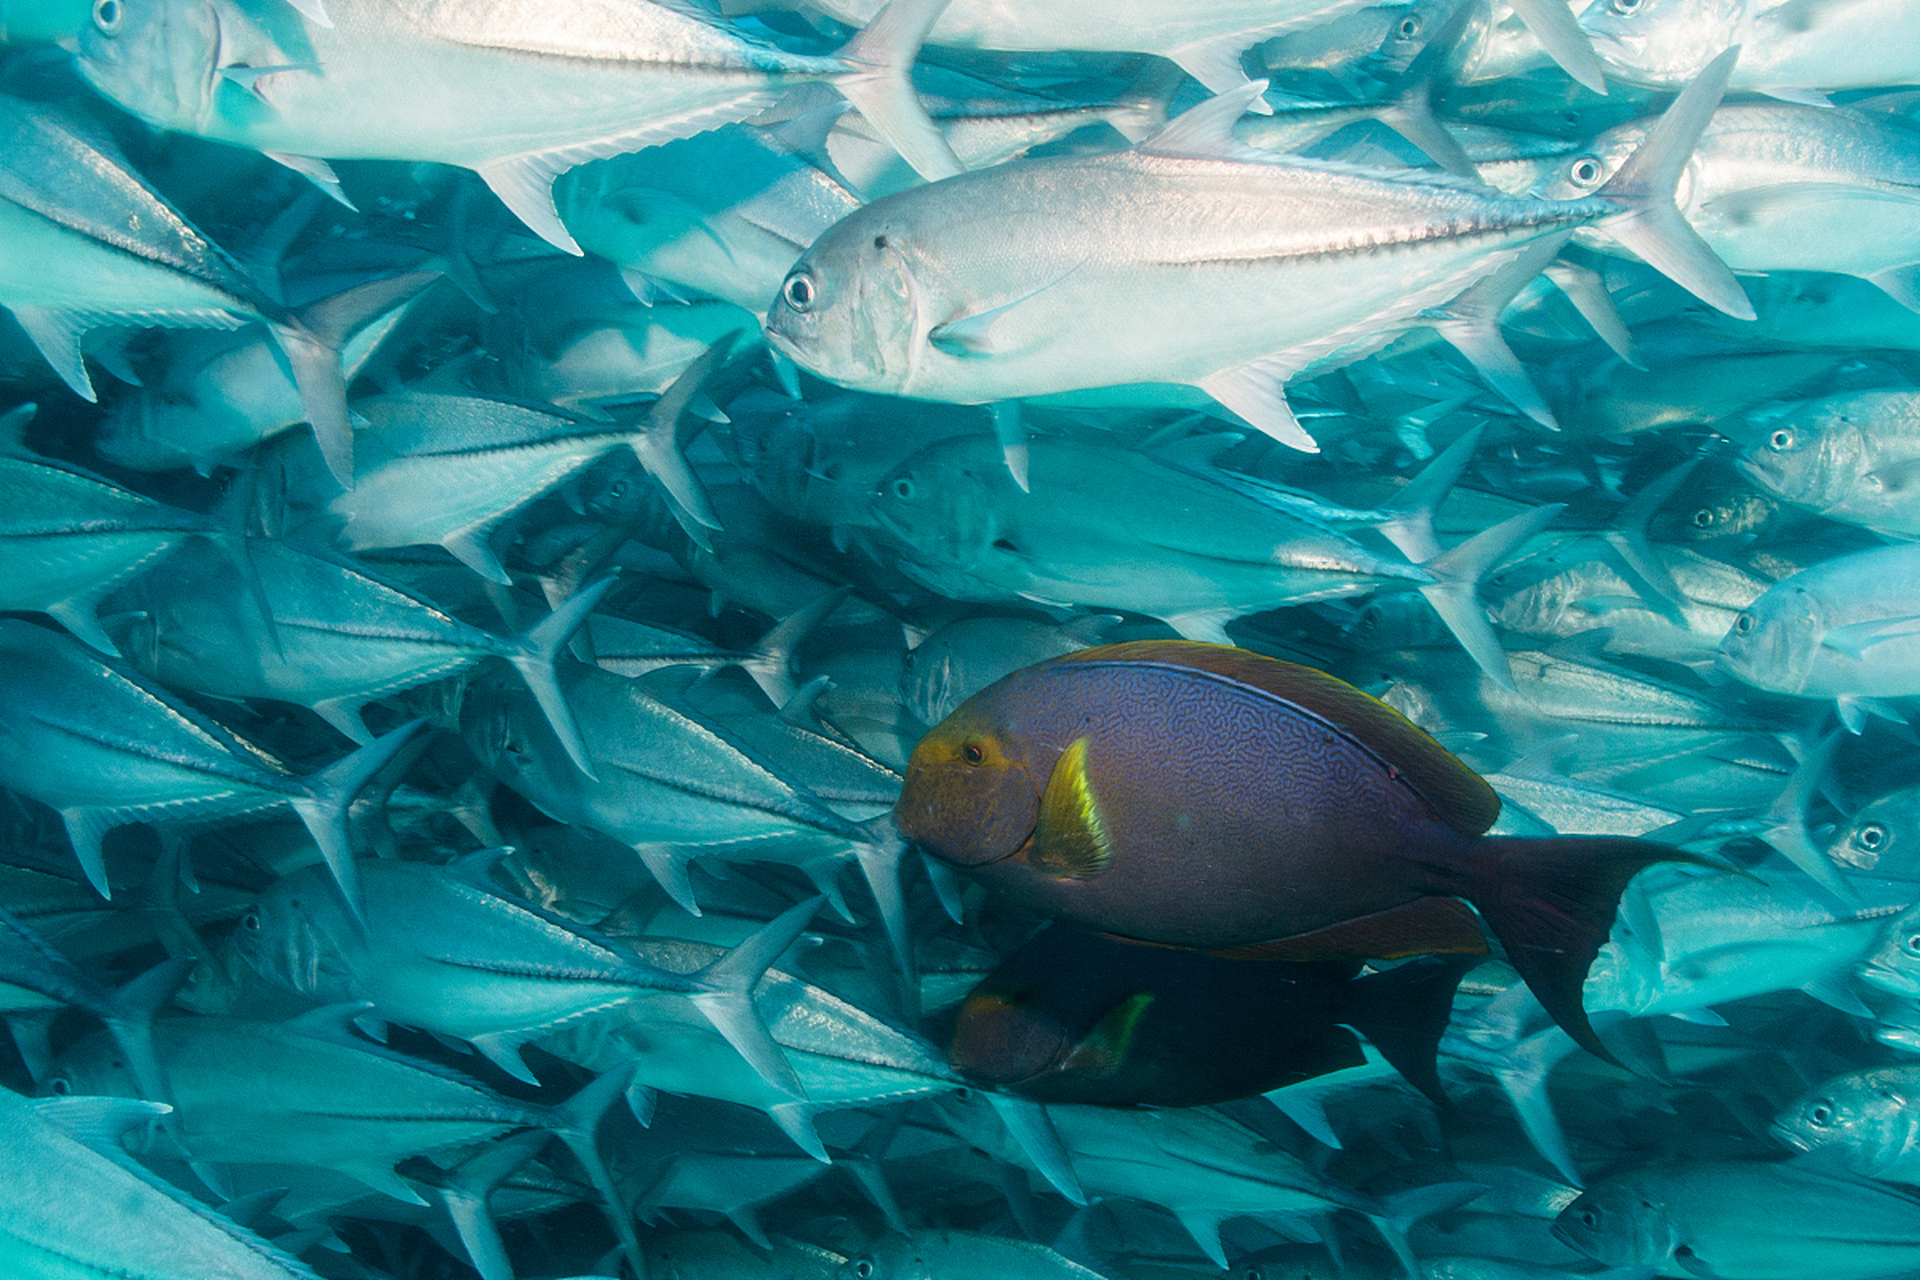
x,y
1188,259
1852,457
519,93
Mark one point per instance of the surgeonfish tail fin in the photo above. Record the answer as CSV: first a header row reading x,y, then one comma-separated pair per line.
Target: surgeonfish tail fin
x,y
1404,1011
725,995
534,654
877,84
1551,903
324,799
1455,591
1652,225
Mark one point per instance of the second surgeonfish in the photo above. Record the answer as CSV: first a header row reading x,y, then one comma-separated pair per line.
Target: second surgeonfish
x,y
1204,796
1190,259
1075,1017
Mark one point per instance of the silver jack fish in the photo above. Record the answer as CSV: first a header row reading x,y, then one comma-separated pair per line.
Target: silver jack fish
x,y
519,93
1192,259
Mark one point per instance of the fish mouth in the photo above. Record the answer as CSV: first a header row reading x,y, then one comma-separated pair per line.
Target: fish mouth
x,y
1788,1136
1879,975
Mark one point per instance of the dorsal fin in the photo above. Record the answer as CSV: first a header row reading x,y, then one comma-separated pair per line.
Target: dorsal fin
x,y
1460,796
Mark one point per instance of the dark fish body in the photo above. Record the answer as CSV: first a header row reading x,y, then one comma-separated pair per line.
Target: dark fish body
x,y
1076,1017
1203,796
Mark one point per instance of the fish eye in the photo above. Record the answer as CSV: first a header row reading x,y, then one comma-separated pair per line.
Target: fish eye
x,y
1913,944
1820,1114
1586,171
1871,836
973,753
1589,1218
107,15
1409,28
1743,623
1781,440
250,922
1625,8
904,488
799,291
1703,518
863,1268
59,1085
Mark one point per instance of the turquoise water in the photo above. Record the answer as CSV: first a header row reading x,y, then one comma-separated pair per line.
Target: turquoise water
x,y
464,940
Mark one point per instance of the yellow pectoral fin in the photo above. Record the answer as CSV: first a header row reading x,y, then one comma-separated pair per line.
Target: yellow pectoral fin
x,y
1071,841
1104,1051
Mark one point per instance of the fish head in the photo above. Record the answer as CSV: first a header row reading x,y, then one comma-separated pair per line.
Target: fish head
x,y
1894,965
1661,42
1619,1223
853,310
1861,1112
1580,173
292,936
971,796
947,504
1735,514
1006,1036
1773,641
1811,455
93,1066
1881,836
156,58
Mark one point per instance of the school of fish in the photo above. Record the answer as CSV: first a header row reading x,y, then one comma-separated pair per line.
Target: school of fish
x,y
913,640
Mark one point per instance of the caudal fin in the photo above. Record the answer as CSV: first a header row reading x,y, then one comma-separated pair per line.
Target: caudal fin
x,y
1652,225
1551,903
877,83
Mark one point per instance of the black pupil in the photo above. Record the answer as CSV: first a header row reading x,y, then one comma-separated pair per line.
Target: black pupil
x,y
903,488
800,291
973,753
108,12
1781,439
1702,518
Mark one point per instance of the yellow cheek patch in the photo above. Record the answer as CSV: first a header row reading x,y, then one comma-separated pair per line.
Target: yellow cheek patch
x,y
1070,840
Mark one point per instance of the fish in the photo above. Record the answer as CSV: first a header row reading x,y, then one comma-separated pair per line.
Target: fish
x,y
1845,629
75,1209
105,746
1075,1017
1791,51
1040,787
95,244
517,96
1863,1119
1072,272
71,537
1744,1220
447,951
1850,458
1780,186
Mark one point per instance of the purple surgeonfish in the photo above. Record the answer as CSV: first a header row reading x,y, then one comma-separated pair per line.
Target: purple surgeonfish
x,y
1203,796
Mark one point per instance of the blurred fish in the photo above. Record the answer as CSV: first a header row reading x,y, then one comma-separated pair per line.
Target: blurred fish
x,y
1789,51
74,1210
1744,1221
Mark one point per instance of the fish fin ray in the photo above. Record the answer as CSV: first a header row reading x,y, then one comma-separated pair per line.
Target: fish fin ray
x,y
1071,840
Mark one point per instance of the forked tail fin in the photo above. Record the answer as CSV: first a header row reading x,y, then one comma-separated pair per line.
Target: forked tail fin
x,y
1551,903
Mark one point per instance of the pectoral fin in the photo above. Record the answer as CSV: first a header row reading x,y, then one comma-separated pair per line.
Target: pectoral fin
x,y
1104,1048
1071,840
